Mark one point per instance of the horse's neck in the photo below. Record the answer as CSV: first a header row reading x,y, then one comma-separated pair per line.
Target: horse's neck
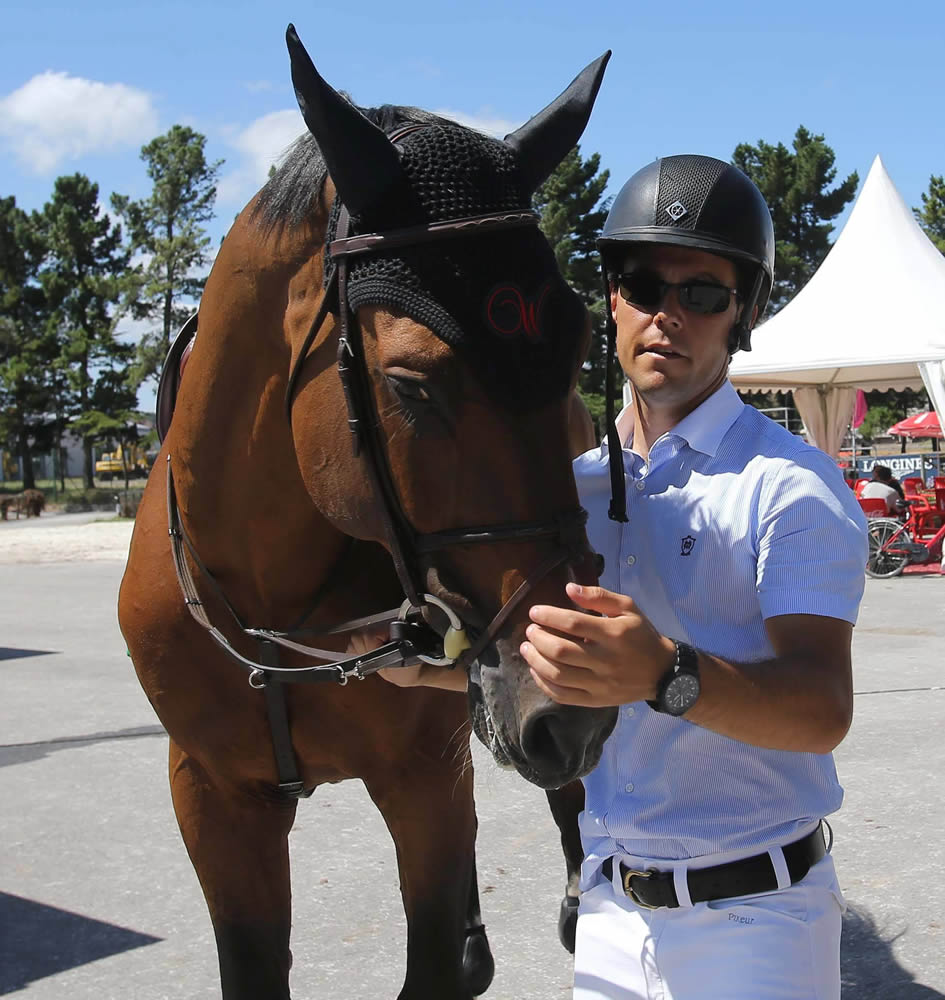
x,y
237,476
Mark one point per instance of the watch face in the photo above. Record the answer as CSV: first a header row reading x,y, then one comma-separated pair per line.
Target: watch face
x,y
681,693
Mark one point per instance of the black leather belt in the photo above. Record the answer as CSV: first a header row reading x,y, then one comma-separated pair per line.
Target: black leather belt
x,y
653,888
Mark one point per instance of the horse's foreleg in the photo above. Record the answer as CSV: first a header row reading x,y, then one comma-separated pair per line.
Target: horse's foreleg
x,y
238,844
430,814
566,804
478,963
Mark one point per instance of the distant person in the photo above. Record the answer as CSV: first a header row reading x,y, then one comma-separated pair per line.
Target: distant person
x,y
884,487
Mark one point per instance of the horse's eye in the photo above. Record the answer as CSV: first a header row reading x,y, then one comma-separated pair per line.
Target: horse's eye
x,y
410,389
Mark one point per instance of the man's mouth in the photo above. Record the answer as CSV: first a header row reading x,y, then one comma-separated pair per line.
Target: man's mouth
x,y
661,351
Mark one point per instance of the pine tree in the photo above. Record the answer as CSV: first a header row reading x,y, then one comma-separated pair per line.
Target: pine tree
x,y
166,228
27,348
931,217
84,278
572,216
796,186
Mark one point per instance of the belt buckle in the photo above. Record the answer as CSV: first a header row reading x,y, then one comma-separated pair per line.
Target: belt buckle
x,y
628,874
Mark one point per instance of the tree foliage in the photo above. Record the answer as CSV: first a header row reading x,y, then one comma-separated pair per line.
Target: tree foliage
x,y
84,277
931,216
166,229
888,407
27,347
796,185
572,216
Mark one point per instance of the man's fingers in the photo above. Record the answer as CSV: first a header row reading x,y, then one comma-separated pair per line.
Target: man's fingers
x,y
579,624
557,648
562,695
560,675
605,602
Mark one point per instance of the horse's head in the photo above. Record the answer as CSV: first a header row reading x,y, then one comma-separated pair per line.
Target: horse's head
x,y
460,345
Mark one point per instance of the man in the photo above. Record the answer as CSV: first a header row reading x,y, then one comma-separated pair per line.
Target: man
x,y
723,626
734,570
883,487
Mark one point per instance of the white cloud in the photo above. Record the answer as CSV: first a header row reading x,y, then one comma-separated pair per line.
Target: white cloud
x,y
481,121
261,145
55,117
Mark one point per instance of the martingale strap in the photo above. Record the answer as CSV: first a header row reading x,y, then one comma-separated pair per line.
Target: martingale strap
x,y
290,783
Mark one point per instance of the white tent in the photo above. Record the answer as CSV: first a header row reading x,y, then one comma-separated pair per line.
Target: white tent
x,y
871,317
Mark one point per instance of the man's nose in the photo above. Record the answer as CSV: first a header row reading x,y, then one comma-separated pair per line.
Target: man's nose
x,y
668,309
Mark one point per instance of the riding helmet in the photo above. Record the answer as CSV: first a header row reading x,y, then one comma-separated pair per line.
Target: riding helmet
x,y
706,204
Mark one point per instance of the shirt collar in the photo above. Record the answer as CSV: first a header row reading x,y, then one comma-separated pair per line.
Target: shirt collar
x,y
702,430
709,422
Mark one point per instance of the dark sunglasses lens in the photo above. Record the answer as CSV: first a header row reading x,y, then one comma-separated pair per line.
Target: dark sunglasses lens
x,y
703,297
641,288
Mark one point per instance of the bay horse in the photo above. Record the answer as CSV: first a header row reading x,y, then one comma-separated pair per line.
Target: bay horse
x,y
376,405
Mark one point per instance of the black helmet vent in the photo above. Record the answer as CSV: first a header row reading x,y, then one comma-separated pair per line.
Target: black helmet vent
x,y
685,184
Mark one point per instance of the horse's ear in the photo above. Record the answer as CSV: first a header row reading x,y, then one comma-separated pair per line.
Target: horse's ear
x,y
543,141
361,160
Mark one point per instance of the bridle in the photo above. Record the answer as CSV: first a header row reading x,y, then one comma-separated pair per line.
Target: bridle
x,y
411,637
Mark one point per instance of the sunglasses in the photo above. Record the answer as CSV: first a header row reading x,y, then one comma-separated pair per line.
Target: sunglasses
x,y
646,290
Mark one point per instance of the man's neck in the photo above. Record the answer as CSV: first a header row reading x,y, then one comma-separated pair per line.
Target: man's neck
x,y
651,420
649,424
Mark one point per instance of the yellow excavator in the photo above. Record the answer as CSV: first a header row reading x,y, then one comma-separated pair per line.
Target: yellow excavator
x,y
112,464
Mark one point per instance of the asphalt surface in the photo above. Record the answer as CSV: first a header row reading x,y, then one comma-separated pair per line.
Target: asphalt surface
x,y
98,899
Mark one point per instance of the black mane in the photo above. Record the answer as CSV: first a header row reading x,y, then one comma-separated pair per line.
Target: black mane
x,y
288,195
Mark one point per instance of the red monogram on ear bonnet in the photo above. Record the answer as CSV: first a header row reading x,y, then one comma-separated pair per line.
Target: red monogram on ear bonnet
x,y
510,312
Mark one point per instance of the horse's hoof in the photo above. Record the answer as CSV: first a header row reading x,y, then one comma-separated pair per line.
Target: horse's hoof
x,y
478,964
567,921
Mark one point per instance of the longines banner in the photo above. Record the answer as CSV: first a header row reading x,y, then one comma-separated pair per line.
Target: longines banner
x,y
924,465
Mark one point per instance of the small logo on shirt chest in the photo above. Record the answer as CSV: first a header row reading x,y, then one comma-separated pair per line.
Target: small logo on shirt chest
x,y
687,545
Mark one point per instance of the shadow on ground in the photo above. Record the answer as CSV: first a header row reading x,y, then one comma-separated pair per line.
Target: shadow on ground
x,y
40,940
23,753
868,968
10,653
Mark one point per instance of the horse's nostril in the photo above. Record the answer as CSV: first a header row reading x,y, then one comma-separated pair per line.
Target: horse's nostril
x,y
545,742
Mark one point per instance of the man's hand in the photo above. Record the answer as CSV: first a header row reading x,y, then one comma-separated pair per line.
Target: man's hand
x,y
599,662
368,640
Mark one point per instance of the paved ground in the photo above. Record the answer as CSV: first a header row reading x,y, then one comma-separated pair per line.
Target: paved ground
x,y
98,900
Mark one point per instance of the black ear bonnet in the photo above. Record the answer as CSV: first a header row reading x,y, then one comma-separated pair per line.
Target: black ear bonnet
x,y
496,298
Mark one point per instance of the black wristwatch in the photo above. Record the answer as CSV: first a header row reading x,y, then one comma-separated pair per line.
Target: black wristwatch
x,y
679,687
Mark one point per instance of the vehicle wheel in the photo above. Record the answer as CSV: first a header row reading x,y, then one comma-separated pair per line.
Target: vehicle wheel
x,y
885,564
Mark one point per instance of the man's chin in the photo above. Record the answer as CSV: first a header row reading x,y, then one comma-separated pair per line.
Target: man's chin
x,y
658,386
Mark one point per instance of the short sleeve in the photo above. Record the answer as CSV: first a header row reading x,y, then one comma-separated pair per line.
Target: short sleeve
x,y
811,541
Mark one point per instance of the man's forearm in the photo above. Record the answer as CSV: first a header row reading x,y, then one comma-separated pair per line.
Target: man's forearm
x,y
786,703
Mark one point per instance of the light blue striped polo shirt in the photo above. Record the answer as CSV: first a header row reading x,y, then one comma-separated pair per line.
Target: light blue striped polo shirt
x,y
732,520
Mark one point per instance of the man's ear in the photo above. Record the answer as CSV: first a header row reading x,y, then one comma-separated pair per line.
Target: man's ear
x,y
613,301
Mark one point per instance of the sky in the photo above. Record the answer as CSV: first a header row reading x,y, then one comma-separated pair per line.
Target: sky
x,y
84,86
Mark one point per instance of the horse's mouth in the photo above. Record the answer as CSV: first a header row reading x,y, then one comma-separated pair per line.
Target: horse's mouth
x,y
485,730
510,759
